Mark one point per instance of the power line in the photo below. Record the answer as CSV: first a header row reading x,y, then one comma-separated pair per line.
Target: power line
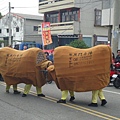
x,y
3,8
25,7
90,8
86,4
90,2
94,6
2,2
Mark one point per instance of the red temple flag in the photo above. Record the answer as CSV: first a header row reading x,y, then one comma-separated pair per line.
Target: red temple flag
x,y
46,33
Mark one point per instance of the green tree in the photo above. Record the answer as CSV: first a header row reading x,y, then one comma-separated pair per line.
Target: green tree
x,y
1,41
78,44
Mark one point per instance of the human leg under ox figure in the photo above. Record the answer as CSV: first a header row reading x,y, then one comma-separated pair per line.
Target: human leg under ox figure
x,y
72,96
27,90
14,89
39,92
65,95
102,97
95,95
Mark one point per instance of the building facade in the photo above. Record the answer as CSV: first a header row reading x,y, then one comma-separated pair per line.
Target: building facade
x,y
74,19
111,19
23,28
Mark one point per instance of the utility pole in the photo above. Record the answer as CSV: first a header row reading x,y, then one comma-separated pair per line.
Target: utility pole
x,y
110,26
116,16
10,42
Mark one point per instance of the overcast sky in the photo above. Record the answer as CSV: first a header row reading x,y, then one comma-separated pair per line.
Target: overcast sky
x,y
20,6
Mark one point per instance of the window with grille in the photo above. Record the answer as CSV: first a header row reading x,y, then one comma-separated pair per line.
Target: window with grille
x,y
71,15
98,17
35,28
17,29
52,17
7,30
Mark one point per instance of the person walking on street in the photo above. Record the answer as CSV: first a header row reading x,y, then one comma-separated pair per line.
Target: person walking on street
x,y
64,96
14,89
27,89
25,47
95,95
117,59
47,55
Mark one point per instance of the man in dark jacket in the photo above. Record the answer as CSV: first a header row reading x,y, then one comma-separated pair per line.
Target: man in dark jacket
x,y
117,59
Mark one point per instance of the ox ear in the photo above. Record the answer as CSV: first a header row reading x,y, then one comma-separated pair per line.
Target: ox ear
x,y
40,58
51,68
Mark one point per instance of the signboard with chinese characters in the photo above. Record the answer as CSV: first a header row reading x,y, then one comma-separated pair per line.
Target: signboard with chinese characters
x,y
46,33
82,70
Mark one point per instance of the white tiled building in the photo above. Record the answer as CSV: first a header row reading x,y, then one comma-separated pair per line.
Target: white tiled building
x,y
23,27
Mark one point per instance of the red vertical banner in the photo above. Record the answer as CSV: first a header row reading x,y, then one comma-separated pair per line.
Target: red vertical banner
x,y
46,33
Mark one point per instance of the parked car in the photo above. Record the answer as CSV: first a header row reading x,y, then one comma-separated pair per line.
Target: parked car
x,y
28,44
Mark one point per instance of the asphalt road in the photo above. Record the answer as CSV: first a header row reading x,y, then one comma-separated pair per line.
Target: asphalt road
x,y
16,107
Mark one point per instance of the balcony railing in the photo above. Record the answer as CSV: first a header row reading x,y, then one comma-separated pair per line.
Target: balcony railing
x,y
64,28
52,5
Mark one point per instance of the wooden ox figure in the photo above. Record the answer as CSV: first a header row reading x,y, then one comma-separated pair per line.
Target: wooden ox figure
x,y
81,70
23,66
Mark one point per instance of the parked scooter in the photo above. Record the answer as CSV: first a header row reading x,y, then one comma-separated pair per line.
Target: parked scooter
x,y
116,82
116,76
112,72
